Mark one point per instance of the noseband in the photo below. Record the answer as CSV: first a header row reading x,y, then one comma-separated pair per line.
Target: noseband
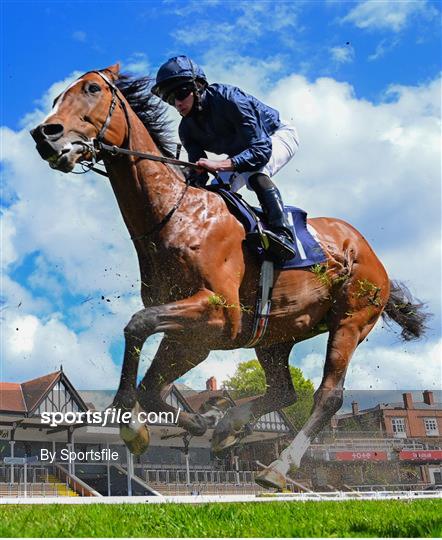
x,y
96,144
112,106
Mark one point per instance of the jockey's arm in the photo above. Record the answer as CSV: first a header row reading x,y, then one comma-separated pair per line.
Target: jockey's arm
x,y
215,165
258,145
240,109
195,153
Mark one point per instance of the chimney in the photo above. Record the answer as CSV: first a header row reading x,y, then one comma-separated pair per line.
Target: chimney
x,y
354,408
211,384
428,397
408,400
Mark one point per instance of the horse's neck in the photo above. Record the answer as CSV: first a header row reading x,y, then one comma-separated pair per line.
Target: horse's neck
x,y
145,190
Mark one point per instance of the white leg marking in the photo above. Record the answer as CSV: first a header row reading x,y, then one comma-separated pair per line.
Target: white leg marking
x,y
292,454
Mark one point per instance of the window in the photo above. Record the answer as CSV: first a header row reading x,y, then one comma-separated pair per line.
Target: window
x,y
398,425
431,426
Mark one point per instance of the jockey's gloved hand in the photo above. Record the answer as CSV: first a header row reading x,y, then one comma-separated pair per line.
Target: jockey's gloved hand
x,y
195,178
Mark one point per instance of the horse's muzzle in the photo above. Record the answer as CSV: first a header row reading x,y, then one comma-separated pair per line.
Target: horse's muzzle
x,y
46,137
48,132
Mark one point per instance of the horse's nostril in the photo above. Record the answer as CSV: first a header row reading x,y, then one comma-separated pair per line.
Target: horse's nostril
x,y
52,131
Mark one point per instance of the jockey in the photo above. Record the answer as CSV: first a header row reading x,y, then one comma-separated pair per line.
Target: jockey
x,y
223,119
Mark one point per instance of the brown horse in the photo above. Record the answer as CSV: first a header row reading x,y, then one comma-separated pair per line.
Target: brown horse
x,y
197,274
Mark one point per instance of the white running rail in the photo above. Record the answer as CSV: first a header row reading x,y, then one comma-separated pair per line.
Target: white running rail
x,y
271,497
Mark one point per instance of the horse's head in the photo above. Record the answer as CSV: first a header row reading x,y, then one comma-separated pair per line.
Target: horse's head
x,y
90,108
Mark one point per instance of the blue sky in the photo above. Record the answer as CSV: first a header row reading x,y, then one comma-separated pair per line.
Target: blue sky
x,y
44,41
361,80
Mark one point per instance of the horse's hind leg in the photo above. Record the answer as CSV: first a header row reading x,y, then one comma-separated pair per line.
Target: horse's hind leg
x,y
328,398
279,393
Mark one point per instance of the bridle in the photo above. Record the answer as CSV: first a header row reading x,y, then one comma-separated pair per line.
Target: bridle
x,y
97,145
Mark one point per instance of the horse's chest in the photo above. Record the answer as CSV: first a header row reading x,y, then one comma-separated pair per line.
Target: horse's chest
x,y
167,278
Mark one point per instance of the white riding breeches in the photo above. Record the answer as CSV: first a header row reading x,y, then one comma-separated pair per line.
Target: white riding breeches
x,y
285,143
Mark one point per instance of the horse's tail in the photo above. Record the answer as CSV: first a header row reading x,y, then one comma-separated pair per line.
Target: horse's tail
x,y
408,312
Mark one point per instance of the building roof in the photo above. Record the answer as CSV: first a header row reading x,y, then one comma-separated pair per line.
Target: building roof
x,y
416,405
398,405
199,398
35,389
185,390
24,398
11,397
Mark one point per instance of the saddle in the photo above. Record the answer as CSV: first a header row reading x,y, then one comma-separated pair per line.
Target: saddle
x,y
309,251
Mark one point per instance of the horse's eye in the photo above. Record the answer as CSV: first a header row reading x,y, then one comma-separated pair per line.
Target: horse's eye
x,y
93,88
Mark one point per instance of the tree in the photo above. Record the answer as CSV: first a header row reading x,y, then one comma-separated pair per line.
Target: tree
x,y
249,380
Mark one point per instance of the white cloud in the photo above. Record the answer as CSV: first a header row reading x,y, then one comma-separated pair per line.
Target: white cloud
x,y
202,31
382,48
220,364
232,70
387,14
7,234
32,347
382,368
244,22
192,7
80,36
137,64
342,55
386,368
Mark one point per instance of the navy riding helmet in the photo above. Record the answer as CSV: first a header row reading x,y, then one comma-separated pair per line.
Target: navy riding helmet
x,y
175,72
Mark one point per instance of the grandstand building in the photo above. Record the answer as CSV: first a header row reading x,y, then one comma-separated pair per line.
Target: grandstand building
x,y
174,462
396,445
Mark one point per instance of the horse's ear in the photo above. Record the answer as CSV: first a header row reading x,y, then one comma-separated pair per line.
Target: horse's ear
x,y
114,71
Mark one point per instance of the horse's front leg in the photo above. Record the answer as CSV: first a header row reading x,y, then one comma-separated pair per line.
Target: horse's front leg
x,y
175,357
193,321
126,395
140,327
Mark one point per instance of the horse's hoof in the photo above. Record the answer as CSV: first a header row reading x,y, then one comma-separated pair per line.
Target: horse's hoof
x,y
226,439
135,434
196,426
214,409
137,440
270,478
219,446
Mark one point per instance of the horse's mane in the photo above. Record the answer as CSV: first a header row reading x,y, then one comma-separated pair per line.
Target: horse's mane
x,y
149,109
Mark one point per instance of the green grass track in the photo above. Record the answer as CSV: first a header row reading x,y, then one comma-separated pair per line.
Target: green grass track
x,y
418,518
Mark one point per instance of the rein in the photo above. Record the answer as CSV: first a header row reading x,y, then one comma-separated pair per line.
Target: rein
x,y
97,144
114,150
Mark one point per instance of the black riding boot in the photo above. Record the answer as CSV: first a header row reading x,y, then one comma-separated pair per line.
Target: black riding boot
x,y
280,234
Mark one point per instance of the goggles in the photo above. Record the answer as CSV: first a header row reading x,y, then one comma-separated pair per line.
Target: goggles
x,y
179,93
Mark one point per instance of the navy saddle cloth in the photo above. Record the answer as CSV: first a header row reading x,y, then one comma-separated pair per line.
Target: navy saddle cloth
x,y
308,250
